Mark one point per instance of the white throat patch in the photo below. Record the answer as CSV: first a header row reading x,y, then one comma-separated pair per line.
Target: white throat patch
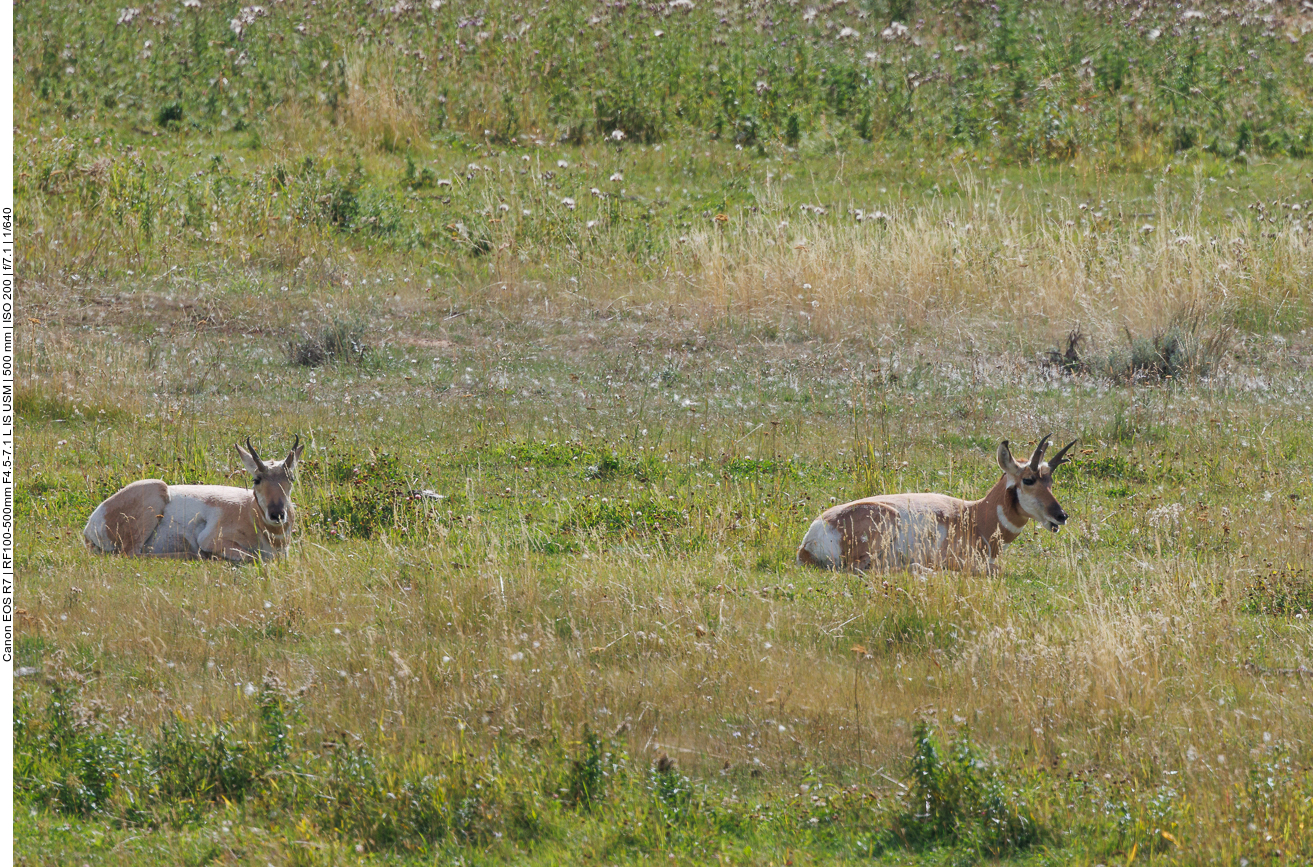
x,y
1005,523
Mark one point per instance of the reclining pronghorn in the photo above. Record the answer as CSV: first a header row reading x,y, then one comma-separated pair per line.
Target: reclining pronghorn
x,y
937,531
155,519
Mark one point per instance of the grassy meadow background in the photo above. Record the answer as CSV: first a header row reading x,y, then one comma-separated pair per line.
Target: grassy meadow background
x,y
584,311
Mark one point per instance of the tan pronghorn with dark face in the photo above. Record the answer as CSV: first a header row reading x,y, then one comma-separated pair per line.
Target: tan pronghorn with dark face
x,y
936,531
154,519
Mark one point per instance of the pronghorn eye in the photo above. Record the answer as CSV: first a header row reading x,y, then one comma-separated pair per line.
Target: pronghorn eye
x,y
258,480
1029,481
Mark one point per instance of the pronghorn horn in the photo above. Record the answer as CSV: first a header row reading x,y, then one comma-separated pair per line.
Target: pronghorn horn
x,y
297,443
254,455
1037,457
1061,457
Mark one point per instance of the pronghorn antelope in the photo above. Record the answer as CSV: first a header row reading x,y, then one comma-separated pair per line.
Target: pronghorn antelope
x,y
154,519
937,531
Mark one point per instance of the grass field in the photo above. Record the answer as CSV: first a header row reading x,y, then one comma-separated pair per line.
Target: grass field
x,y
570,399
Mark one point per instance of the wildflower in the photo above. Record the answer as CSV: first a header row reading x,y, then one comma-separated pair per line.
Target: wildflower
x,y
894,30
562,164
503,207
619,134
1154,34
617,176
658,33
1165,516
245,18
810,14
248,690
590,224
681,4
517,656
1192,13
762,87
848,33
568,202
1146,228
596,192
873,56
191,4
126,15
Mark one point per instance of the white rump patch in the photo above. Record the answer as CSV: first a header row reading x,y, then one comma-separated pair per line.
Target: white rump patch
x,y
823,543
1005,523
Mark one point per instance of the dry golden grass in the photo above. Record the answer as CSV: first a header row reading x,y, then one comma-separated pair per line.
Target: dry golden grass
x,y
375,108
968,264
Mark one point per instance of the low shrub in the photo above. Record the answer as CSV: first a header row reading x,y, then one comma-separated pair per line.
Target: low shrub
x,y
336,342
957,798
1279,589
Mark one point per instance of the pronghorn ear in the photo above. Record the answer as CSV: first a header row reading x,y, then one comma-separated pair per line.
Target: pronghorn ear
x,y
248,461
294,455
1006,462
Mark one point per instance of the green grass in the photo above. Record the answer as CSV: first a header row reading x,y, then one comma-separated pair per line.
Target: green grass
x,y
493,625
570,401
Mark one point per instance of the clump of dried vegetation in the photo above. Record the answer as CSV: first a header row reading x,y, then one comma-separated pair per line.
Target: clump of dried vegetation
x,y
338,342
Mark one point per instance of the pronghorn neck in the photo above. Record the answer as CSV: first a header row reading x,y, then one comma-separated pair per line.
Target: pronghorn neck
x,y
998,514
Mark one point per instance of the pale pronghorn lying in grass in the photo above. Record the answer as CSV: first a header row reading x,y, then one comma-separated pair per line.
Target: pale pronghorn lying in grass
x,y
154,519
897,531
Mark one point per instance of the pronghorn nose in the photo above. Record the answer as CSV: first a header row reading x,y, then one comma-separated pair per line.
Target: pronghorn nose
x,y
276,513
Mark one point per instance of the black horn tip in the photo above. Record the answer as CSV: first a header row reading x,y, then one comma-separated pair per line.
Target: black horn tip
x,y
1061,457
1037,456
